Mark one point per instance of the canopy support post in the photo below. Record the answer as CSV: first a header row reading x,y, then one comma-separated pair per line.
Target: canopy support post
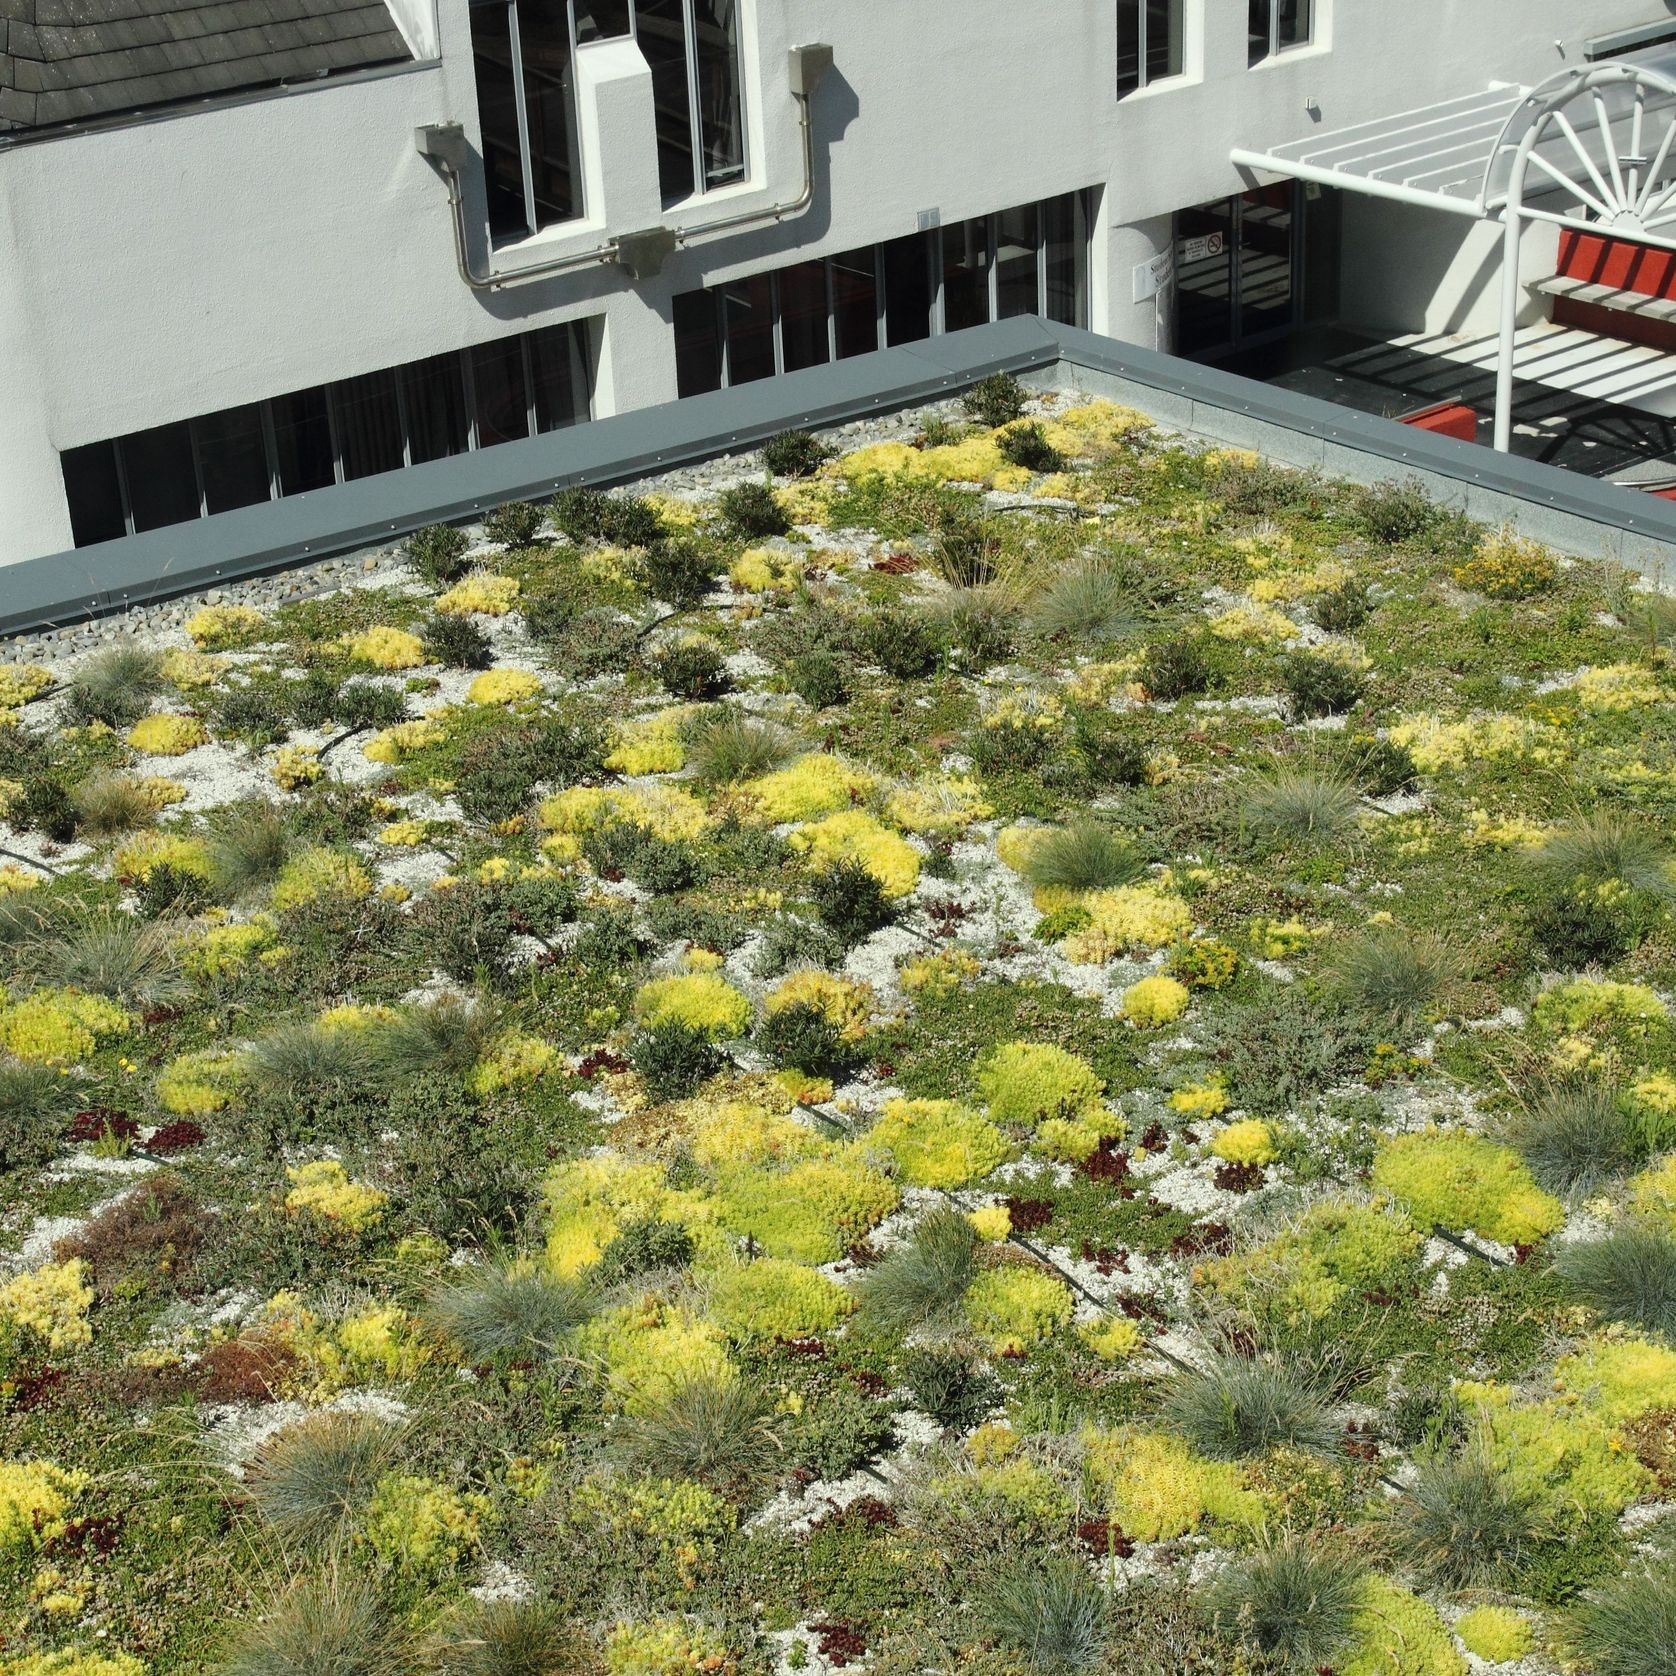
x,y
1513,211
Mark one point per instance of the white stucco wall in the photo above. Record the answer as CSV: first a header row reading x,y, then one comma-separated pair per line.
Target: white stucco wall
x,y
174,267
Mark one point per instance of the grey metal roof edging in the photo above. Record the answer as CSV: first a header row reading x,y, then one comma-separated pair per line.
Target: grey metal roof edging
x,y
137,570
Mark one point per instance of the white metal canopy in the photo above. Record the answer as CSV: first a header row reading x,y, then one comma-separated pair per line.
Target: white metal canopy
x,y
1592,148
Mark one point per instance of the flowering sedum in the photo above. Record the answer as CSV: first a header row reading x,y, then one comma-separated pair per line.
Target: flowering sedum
x,y
700,1000
1126,919
1437,744
812,1211
772,1298
938,1143
993,1223
649,1348
1462,1181
51,1303
396,744
319,872
217,627
480,594
1495,1634
1253,622
34,1499
1506,566
813,785
845,1003
504,686
296,766
1158,1489
20,682
58,1026
323,1189
590,1200
652,746
514,1059
1619,1375
949,803
1250,1141
1619,686
73,1661
1653,1192
1200,1099
1593,1001
420,1526
668,1647
1153,1002
1028,1082
199,1083
665,811
386,648
854,835
167,735
763,570
1013,1307
1112,1338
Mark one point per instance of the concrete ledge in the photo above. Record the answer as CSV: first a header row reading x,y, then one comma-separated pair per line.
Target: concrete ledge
x,y
1576,514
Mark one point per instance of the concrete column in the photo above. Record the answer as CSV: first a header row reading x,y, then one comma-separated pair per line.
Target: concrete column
x,y
1134,286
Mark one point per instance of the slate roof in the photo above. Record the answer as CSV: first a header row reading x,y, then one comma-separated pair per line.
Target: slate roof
x,y
65,61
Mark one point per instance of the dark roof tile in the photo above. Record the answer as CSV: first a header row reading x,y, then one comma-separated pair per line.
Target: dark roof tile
x,y
73,60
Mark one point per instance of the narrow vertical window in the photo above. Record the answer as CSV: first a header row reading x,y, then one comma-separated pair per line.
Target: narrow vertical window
x,y
162,481
803,316
500,400
1150,42
526,106
232,458
303,441
434,393
966,274
369,424
907,270
1016,243
1277,25
692,49
748,315
855,302
93,491
698,344
561,374
1065,260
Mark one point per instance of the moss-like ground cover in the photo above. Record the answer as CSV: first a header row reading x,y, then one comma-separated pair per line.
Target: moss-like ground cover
x,y
1046,1049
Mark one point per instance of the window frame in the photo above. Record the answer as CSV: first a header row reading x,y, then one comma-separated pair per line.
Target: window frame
x,y
1144,79
1275,48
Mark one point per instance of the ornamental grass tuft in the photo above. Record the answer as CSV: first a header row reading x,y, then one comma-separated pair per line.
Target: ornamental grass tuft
x,y
1465,1523
308,1482
1627,1625
1086,855
1298,806
515,1308
922,1284
720,1430
509,1636
1628,1275
1575,1138
1293,1600
332,1625
727,745
1049,1611
1397,976
1236,1407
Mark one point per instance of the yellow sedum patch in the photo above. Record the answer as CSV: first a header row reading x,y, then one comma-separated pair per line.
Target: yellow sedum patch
x,y
51,1303
1153,1002
504,686
1158,1489
700,1000
386,648
1013,1307
167,735
1127,919
813,785
324,1189
938,1143
217,627
854,835
35,1496
481,594
1250,1141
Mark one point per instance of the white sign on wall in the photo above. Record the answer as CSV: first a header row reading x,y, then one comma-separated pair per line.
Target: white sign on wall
x,y
1202,249
1152,277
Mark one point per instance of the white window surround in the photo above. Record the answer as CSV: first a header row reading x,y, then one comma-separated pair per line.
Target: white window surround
x,y
1319,42
1191,51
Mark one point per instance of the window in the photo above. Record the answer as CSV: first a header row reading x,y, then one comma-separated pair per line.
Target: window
x,y
692,48
522,51
1149,42
604,20
1279,24
1236,263
310,439
1029,260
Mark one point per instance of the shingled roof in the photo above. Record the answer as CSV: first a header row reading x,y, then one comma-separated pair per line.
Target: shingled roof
x,y
66,61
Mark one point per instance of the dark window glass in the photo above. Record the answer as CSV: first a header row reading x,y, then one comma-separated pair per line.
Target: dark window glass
x,y
1128,46
855,302
162,486
1205,278
803,336
1065,261
966,274
302,441
1265,259
1261,17
748,316
559,372
698,344
716,55
1015,262
1163,39
233,458
435,394
497,113
907,289
93,493
662,33
502,402
1292,25
603,20
369,424
550,107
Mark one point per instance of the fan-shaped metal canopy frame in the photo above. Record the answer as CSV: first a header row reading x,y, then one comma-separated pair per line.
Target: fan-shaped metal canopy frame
x,y
1592,148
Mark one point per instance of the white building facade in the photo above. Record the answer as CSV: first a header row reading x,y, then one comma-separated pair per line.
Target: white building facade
x,y
264,289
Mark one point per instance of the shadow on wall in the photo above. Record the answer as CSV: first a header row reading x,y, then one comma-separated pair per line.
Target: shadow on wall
x,y
1408,269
